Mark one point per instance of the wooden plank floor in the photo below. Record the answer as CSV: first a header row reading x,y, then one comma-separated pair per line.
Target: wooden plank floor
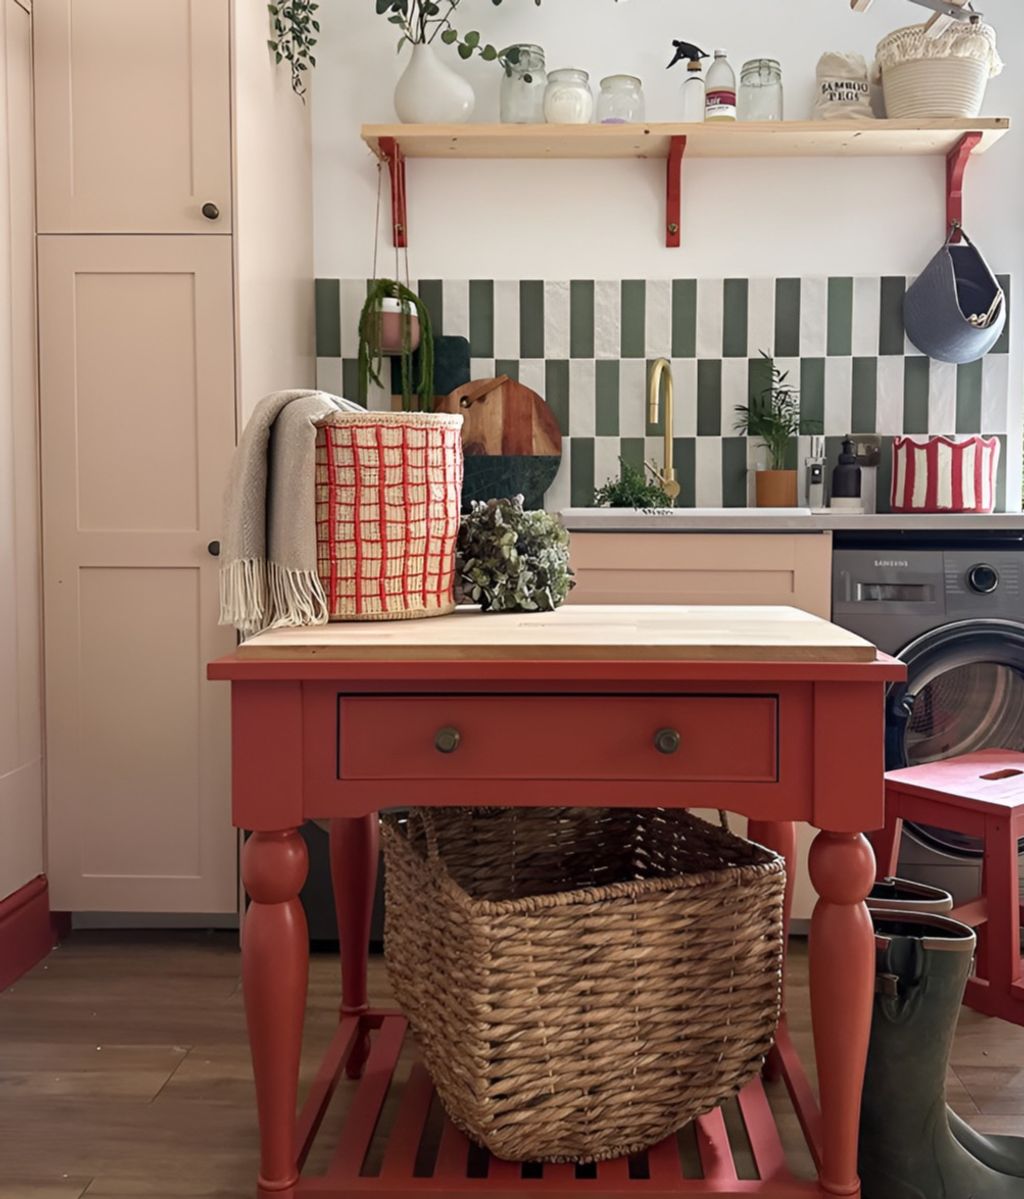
x,y
124,1068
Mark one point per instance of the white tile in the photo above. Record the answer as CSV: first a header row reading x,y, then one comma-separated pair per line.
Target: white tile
x,y
889,407
481,368
710,315
838,396
708,472
378,400
556,320
506,318
684,376
813,316
760,316
606,459
941,397
633,397
455,299
559,494
607,318
328,375
995,393
757,459
658,318
867,303
352,298
582,397
532,374
735,391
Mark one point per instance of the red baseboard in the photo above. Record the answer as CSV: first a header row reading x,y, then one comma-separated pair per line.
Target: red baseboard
x,y
28,929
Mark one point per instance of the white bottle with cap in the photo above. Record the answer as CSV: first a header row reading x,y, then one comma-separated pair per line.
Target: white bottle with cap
x,y
720,90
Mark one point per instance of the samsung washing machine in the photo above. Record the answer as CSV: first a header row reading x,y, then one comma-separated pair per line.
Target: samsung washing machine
x,y
951,606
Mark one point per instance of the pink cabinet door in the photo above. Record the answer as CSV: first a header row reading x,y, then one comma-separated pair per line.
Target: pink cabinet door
x,y
133,120
137,399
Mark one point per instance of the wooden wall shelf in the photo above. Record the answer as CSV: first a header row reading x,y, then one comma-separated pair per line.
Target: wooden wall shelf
x,y
956,139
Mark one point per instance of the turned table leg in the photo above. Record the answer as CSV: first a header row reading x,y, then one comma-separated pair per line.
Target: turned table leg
x,y
275,961
355,846
842,975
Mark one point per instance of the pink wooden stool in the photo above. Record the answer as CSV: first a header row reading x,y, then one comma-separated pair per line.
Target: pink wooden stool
x,y
980,795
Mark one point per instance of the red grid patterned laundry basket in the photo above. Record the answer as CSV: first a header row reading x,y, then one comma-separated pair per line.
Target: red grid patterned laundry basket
x,y
388,488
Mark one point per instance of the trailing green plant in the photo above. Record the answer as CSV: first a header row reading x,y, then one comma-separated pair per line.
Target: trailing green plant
x,y
371,358
773,415
421,21
635,488
293,24
512,560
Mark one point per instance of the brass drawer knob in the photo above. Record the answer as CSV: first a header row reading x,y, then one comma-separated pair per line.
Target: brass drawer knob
x,y
446,740
666,741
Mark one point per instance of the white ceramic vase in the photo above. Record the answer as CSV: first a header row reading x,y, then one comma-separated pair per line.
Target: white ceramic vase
x,y
431,93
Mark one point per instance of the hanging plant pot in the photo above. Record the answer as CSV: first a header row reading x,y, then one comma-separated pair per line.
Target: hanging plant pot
x,y
397,327
395,323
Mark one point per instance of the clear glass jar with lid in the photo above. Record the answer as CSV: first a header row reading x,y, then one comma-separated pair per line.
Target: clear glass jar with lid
x,y
760,97
568,99
522,87
621,100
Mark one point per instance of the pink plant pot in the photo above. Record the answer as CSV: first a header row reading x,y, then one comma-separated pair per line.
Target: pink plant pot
x,y
393,317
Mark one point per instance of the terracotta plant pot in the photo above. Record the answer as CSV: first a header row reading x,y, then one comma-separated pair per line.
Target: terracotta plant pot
x,y
775,488
392,317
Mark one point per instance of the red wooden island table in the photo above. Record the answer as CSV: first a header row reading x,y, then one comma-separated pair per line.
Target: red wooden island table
x,y
779,717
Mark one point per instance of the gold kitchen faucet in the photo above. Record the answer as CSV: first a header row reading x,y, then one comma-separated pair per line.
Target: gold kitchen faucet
x,y
661,369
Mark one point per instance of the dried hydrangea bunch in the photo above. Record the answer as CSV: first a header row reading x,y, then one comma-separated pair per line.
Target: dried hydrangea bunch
x,y
512,560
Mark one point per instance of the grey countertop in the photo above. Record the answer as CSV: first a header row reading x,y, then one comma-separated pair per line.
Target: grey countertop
x,y
774,520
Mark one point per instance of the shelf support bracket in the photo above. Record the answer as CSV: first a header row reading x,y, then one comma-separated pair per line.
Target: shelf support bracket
x,y
392,154
676,150
956,165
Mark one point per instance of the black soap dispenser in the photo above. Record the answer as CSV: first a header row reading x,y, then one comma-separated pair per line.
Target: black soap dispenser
x,y
846,480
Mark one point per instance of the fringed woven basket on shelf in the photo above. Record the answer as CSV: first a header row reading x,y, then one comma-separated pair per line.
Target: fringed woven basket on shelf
x,y
582,982
927,77
388,488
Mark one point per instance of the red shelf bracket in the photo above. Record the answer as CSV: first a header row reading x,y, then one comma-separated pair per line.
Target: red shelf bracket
x,y
676,150
956,165
392,154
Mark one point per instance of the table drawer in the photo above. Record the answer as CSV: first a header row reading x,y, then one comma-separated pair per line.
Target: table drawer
x,y
693,738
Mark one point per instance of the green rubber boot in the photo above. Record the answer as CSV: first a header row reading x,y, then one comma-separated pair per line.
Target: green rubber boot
x,y
907,1149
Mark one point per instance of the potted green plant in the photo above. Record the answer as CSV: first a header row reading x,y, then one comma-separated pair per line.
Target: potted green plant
x,y
511,560
634,488
773,417
395,323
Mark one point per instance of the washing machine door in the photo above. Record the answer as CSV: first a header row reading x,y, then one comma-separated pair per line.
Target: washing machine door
x,y
964,692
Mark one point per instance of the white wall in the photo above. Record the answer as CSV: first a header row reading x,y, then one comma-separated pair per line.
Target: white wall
x,y
740,217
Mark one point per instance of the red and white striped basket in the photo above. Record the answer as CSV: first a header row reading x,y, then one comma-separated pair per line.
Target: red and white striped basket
x,y
388,488
944,474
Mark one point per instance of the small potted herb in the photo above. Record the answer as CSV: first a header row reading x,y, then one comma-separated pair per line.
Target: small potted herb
x,y
635,488
773,418
511,560
395,323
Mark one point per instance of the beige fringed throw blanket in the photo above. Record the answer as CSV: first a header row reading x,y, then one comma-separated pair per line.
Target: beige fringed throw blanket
x,y
268,574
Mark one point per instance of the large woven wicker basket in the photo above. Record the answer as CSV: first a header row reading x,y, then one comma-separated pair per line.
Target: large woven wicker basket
x,y
388,488
582,982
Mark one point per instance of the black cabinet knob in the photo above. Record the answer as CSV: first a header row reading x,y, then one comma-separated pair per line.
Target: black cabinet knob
x,y
446,741
213,549
666,741
210,211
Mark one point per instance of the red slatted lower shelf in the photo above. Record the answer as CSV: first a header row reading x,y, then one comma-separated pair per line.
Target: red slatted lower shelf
x,y
403,1159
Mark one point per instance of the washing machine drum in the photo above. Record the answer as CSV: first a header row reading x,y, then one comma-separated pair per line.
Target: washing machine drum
x,y
964,692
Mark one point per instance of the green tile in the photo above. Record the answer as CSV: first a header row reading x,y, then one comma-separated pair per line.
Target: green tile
x,y
607,394
890,318
1002,346
684,318
633,322
684,459
734,318
734,472
431,292
632,451
531,319
787,318
709,397
759,378
865,395
327,295
350,378
968,397
915,395
812,395
481,318
884,480
792,458
581,468
581,318
840,317
556,390
507,366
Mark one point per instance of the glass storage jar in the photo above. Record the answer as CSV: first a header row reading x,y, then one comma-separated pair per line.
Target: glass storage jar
x,y
621,100
522,87
760,97
568,99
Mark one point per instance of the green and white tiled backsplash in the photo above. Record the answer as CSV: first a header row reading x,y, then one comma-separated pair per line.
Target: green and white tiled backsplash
x,y
586,345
